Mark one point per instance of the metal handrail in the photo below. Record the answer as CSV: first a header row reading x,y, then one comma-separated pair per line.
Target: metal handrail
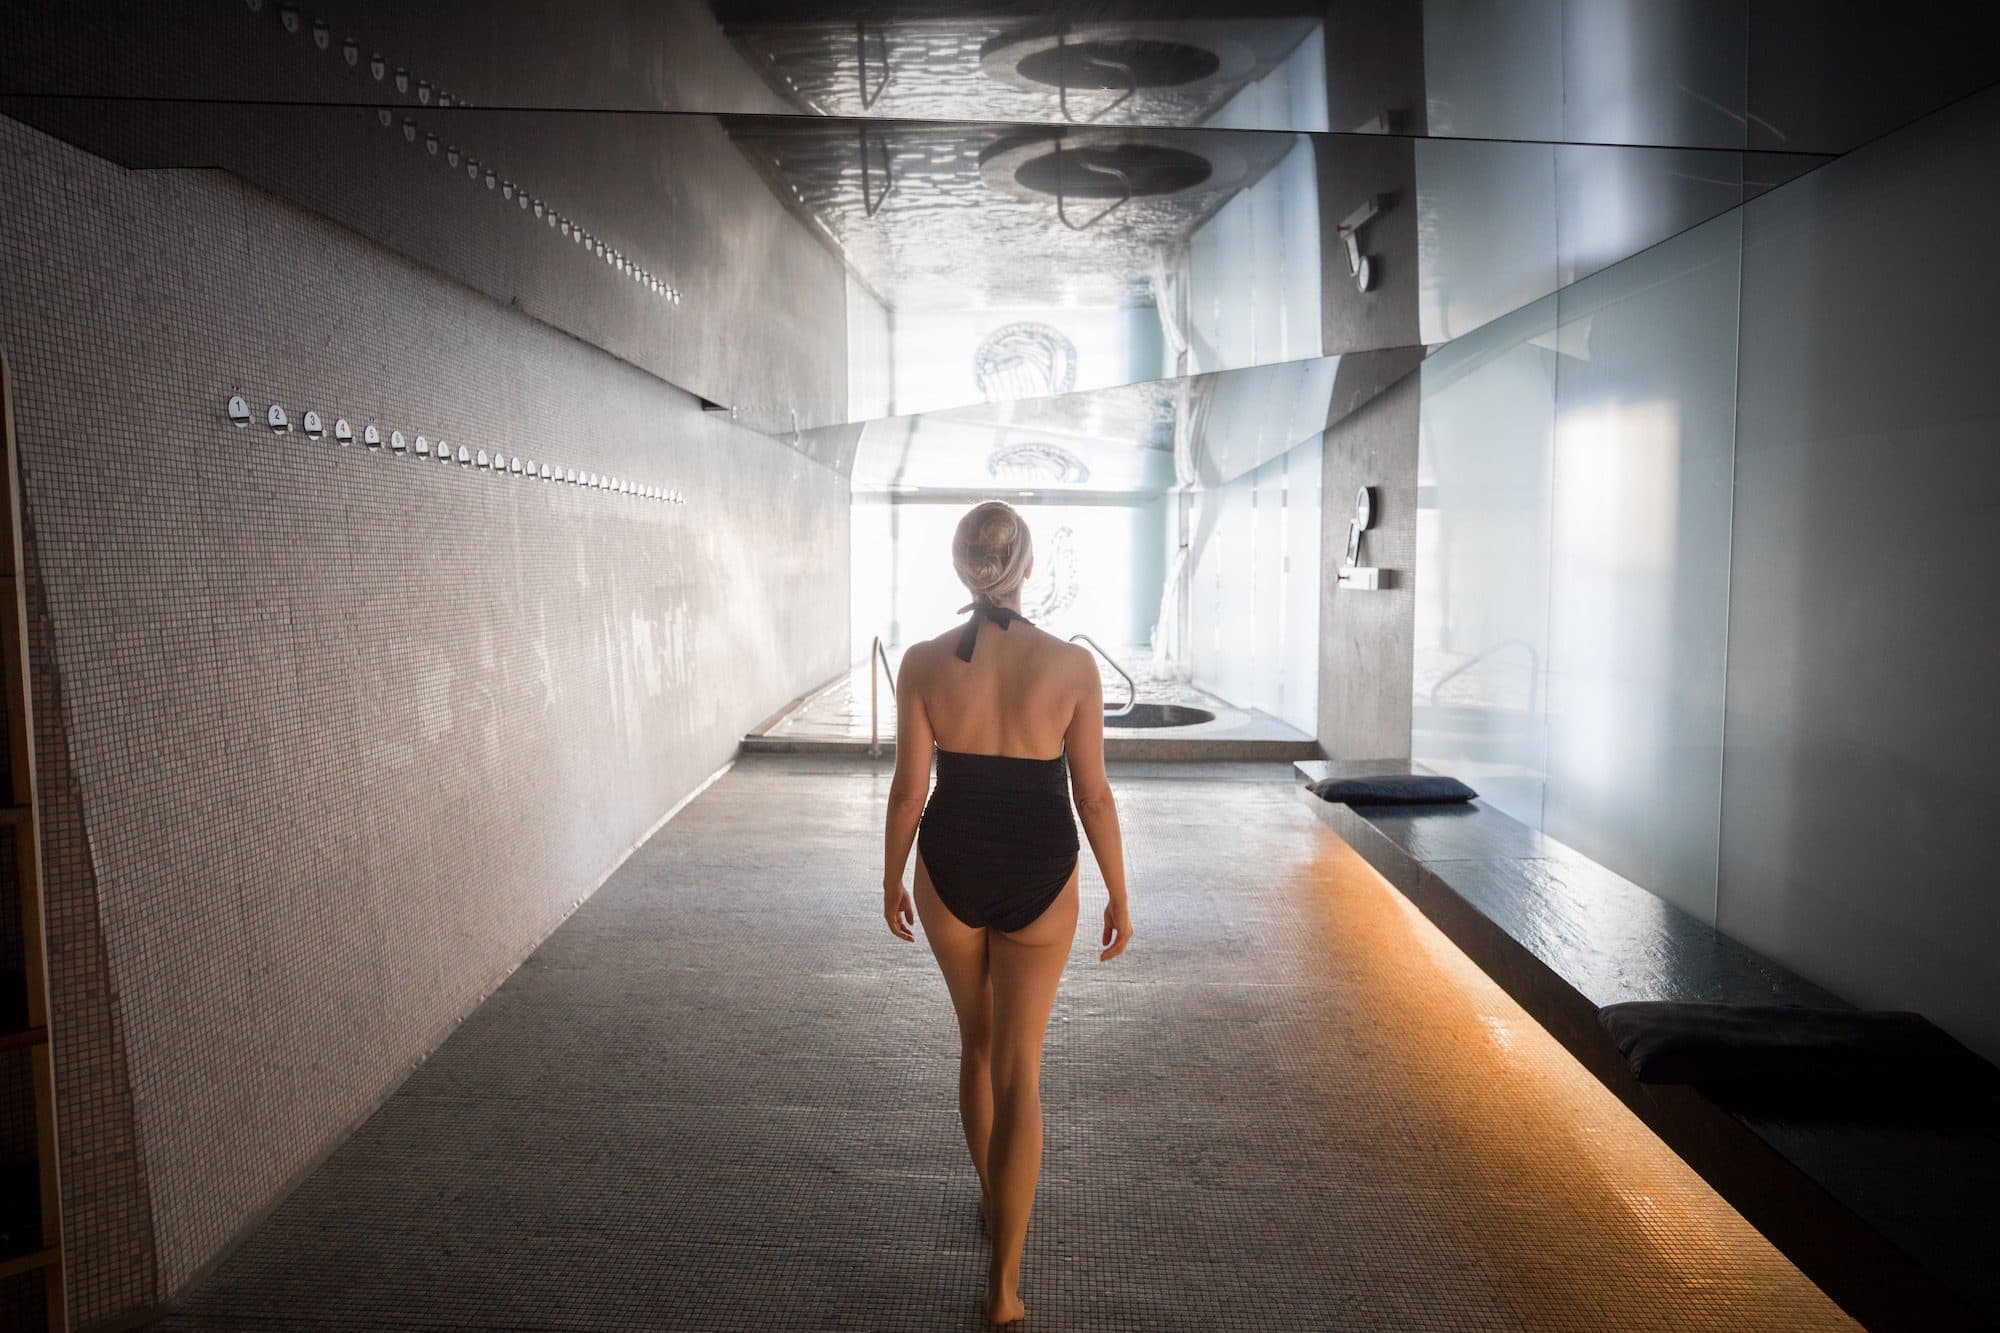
x,y
871,203
1131,686
1534,667
861,56
1062,212
1062,83
877,655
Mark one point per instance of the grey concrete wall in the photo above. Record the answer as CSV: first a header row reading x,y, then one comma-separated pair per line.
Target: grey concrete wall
x,y
1375,66
332,738
1366,636
1350,171
1862,723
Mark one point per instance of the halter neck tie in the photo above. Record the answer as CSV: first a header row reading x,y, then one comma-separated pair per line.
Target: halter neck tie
x,y
1002,616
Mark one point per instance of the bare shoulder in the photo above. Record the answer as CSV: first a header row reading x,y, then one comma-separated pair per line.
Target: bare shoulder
x,y
918,659
1073,660
923,659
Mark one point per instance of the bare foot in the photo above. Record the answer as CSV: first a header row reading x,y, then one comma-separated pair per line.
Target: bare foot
x,y
1003,1308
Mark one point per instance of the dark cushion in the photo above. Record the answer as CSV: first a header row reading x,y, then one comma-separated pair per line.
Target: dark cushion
x,y
1392,789
1686,1042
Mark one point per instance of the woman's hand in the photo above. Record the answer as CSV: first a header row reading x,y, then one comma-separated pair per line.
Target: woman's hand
x,y
900,911
1117,931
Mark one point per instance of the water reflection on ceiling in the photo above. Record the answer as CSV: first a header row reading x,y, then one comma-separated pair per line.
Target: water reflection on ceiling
x,y
1783,75
1008,67
954,217
1772,75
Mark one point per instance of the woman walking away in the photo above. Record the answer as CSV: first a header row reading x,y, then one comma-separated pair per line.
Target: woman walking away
x,y
1016,719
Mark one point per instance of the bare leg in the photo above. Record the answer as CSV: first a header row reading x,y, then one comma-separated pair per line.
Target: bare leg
x,y
961,956
1026,965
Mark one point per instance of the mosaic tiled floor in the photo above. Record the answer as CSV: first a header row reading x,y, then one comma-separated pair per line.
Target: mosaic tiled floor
x,y
721,1097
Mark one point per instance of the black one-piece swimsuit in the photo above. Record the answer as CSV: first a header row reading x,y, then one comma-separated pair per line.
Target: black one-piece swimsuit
x,y
997,836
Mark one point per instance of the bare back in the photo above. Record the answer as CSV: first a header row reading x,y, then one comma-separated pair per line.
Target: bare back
x,y
1019,695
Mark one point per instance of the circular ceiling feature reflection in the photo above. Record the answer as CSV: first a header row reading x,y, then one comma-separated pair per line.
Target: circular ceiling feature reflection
x,y
1111,171
1061,58
1024,360
1114,62
1036,464
1114,165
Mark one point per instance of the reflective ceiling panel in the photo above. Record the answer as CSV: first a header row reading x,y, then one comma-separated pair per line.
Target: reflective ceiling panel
x,y
1138,438
1087,67
808,272
992,262
923,453
1809,76
1119,438
946,217
1110,245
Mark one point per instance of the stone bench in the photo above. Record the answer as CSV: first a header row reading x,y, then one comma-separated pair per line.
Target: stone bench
x,y
1890,1208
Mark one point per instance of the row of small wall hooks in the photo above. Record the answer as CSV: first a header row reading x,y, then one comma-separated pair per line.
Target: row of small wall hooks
x,y
314,426
378,68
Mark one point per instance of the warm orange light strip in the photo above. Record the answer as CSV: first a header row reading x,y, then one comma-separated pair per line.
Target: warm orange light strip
x,y
1587,1219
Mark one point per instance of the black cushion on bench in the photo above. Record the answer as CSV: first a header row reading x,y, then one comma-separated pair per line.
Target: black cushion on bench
x,y
1392,789
1687,1042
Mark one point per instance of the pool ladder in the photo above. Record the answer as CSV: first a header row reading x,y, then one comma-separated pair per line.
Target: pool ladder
x,y
878,656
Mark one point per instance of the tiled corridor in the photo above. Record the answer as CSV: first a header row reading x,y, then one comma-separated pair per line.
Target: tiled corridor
x,y
720,1097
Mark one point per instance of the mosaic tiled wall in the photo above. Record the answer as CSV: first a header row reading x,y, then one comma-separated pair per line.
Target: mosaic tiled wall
x,y
643,233
330,738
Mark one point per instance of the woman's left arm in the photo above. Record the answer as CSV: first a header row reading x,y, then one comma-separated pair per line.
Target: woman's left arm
x,y
907,791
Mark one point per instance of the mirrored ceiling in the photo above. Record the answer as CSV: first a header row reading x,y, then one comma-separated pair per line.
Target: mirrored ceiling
x,y
1749,74
1812,76
999,261
812,272
1132,439
946,245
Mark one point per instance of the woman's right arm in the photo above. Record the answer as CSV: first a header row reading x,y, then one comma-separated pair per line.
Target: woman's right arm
x,y
1091,790
907,790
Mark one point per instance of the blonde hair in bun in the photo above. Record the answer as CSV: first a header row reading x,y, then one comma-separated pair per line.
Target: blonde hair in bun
x,y
991,551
